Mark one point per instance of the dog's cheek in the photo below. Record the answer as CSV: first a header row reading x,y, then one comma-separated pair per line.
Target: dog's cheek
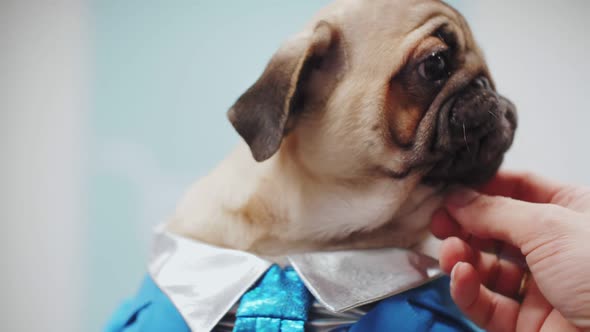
x,y
403,115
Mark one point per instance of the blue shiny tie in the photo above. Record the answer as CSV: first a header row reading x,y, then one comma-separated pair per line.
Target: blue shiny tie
x,y
279,302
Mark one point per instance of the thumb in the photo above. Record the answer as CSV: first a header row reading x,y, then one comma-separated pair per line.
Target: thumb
x,y
522,224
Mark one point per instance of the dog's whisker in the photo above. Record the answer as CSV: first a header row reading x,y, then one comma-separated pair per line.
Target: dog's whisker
x,y
465,138
493,114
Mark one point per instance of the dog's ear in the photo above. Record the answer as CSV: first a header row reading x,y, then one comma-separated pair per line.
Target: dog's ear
x,y
261,114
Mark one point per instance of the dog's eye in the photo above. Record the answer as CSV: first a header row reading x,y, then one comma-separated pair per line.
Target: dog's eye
x,y
434,68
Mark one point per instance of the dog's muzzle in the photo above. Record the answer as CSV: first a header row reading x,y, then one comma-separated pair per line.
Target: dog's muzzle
x,y
475,128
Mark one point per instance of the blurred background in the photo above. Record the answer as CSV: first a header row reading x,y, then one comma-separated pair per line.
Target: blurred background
x,y
110,109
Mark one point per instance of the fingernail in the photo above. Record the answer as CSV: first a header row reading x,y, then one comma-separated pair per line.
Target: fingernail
x,y
461,197
453,272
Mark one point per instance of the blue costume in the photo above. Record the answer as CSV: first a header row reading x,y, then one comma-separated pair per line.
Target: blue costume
x,y
193,286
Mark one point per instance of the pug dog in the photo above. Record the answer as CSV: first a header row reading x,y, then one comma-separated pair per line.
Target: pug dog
x,y
352,133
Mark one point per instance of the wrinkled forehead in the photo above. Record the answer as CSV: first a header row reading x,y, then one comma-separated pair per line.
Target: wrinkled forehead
x,y
382,32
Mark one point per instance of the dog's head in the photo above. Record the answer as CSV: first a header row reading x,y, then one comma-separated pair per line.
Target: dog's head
x,y
380,89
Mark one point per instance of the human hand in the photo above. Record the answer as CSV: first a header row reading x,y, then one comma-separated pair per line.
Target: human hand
x,y
525,221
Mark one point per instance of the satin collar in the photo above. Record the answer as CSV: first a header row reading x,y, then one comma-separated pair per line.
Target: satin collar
x,y
205,281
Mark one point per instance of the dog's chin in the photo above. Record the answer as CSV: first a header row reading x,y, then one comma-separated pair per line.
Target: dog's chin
x,y
475,129
459,170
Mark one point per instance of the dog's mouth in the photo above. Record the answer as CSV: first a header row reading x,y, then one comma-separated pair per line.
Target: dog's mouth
x,y
475,127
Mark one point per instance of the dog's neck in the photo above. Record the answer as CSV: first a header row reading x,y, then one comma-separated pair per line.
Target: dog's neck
x,y
276,208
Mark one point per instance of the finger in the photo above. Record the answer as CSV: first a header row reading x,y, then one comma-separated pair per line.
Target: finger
x,y
556,322
489,310
486,245
452,251
534,311
498,275
443,226
533,188
521,224
522,186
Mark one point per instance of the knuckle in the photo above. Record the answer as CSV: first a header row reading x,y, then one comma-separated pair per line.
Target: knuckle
x,y
570,193
491,312
551,216
552,223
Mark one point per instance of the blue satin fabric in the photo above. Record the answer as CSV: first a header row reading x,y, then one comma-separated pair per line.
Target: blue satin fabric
x,y
150,311
279,302
427,308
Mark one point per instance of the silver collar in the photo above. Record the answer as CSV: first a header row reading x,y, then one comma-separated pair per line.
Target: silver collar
x,y
205,281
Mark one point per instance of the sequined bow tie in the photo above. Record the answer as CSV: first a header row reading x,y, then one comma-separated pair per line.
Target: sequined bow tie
x,y
279,302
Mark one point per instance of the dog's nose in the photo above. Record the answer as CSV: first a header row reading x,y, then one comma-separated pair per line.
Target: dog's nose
x,y
481,82
475,108
468,118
